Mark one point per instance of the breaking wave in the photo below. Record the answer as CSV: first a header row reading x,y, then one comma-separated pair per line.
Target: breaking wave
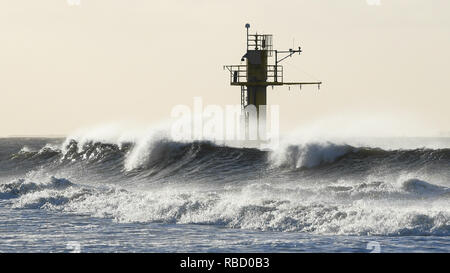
x,y
315,187
309,155
254,206
160,154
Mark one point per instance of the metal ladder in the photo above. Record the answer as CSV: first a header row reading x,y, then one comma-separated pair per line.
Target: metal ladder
x,y
244,96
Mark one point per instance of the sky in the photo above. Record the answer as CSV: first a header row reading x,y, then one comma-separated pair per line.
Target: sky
x,y
65,66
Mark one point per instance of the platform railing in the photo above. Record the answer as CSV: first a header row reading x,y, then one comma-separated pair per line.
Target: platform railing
x,y
238,75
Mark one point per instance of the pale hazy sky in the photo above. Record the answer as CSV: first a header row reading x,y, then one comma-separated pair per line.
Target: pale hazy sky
x,y
63,67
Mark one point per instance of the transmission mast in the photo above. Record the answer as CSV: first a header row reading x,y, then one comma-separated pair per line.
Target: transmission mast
x,y
258,73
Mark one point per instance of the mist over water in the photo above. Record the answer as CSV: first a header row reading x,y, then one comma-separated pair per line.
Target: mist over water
x,y
297,191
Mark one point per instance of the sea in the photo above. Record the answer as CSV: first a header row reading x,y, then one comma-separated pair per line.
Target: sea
x,y
87,194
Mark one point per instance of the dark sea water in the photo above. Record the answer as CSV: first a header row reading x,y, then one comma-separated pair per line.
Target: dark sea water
x,y
158,195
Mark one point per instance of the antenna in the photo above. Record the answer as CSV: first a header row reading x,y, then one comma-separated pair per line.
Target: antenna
x,y
247,26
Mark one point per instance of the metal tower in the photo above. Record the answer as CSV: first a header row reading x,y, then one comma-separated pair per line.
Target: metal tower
x,y
258,73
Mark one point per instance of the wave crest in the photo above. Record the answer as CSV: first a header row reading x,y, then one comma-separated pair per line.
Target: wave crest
x,y
308,155
421,187
24,186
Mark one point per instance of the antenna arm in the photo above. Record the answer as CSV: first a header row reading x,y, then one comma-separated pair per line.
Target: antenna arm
x,y
290,52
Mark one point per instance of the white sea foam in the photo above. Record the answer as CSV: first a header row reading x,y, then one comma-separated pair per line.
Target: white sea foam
x,y
25,149
261,206
307,155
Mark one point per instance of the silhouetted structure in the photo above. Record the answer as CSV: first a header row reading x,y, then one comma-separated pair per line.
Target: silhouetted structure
x,y
254,76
